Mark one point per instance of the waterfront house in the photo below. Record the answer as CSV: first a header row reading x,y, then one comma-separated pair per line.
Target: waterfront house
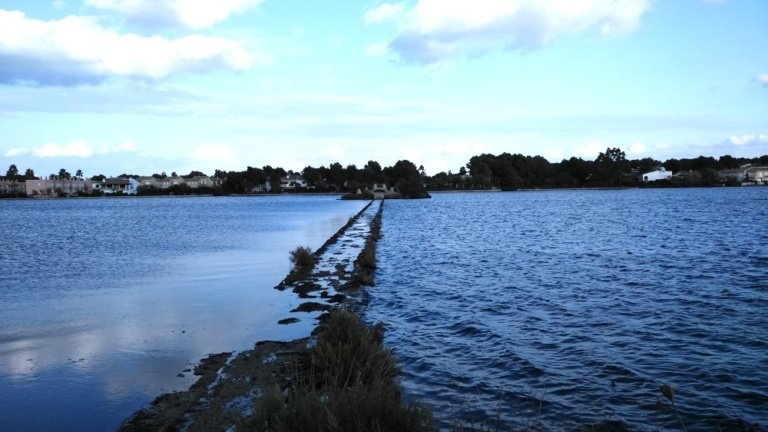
x,y
200,181
57,187
744,175
293,182
12,188
756,175
118,185
735,175
382,191
658,174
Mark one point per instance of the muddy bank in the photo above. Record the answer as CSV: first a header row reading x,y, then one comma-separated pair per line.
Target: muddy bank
x,y
230,382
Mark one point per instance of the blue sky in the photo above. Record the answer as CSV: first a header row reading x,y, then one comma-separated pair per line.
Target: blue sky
x,y
144,86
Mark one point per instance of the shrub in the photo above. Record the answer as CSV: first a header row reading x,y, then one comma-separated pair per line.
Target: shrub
x,y
348,382
303,261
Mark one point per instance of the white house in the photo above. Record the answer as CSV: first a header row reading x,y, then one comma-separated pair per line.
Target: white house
x,y
659,174
293,181
381,191
118,185
756,174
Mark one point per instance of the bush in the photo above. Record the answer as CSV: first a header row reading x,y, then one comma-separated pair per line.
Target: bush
x,y
348,382
303,261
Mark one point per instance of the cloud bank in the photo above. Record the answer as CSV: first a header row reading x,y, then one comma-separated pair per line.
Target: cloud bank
x,y
434,30
194,14
75,148
78,50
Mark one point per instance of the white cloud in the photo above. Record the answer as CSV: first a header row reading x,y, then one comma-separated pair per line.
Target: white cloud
x,y
75,148
748,140
78,49
16,152
590,150
434,30
194,14
125,146
375,50
637,148
763,79
385,12
554,155
213,153
334,153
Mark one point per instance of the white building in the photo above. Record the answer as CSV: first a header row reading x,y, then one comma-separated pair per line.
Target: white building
x,y
756,174
659,174
292,182
110,186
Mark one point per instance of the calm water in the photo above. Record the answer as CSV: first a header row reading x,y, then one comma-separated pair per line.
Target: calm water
x,y
103,302
574,307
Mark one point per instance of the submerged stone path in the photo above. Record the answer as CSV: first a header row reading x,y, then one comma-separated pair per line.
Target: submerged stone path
x,y
230,382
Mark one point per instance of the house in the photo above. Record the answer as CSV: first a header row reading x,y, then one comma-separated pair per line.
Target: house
x,y
57,187
756,175
12,188
745,175
118,185
735,175
200,181
382,191
148,181
293,182
658,174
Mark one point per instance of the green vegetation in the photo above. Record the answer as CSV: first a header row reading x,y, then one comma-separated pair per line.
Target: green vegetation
x,y
611,168
347,381
303,261
365,264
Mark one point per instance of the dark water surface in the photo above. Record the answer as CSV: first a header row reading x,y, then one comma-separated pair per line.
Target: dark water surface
x,y
104,301
574,307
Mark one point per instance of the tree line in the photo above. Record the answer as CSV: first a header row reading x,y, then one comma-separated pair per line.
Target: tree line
x,y
610,168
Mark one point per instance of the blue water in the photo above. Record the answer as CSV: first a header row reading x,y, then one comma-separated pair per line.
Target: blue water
x,y
104,301
565,309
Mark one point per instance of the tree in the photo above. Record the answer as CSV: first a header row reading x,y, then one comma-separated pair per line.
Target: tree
x,y
99,178
79,173
12,172
29,174
64,174
611,165
314,177
194,173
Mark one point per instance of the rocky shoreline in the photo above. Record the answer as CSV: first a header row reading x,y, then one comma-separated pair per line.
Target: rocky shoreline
x,y
229,383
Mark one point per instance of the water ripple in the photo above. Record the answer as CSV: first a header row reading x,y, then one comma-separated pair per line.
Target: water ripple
x,y
573,308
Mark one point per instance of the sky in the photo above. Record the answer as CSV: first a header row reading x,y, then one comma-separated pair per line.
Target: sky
x,y
150,86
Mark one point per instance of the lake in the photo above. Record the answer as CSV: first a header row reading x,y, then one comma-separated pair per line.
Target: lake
x,y
572,308
103,302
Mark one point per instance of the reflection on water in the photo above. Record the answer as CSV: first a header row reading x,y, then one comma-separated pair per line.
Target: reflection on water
x,y
103,302
574,307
